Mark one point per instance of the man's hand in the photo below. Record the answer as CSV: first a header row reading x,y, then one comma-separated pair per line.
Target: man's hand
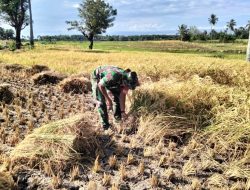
x,y
124,116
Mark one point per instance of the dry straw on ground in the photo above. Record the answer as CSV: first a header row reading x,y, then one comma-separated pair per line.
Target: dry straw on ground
x,y
47,77
220,114
37,69
97,166
6,181
14,67
217,180
153,127
190,93
76,85
112,161
92,186
6,95
62,142
196,184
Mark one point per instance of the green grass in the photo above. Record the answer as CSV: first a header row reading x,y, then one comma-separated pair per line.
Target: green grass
x,y
235,50
215,49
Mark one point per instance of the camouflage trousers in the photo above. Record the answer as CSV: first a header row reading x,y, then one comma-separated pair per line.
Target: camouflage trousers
x,y
101,103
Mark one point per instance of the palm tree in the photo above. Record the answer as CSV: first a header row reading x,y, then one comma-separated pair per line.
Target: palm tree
x,y
31,26
212,21
231,24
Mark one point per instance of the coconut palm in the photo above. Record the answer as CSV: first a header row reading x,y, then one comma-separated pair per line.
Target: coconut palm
x,y
231,24
212,21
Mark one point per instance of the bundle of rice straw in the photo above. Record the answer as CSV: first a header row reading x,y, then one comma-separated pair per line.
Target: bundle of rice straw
x,y
76,85
64,141
36,69
47,77
6,181
6,95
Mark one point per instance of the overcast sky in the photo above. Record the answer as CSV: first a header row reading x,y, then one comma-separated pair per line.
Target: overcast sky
x,y
142,16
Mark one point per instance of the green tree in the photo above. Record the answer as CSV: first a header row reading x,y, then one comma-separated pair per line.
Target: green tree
x,y
14,13
184,32
231,24
96,16
212,21
194,32
31,25
241,33
2,33
9,34
6,34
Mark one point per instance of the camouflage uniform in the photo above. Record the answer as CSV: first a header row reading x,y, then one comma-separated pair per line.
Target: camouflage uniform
x,y
111,78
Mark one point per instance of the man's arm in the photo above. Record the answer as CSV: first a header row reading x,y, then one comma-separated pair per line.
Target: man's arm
x,y
105,94
123,99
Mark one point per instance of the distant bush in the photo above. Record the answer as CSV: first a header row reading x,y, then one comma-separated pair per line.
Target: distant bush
x,y
219,55
54,39
225,38
6,34
11,45
196,34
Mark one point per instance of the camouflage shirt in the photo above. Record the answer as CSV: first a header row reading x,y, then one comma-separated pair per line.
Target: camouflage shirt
x,y
110,76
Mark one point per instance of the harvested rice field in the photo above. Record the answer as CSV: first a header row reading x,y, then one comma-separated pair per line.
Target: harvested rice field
x,y
188,124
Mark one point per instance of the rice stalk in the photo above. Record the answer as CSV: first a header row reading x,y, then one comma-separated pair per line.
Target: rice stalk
x,y
141,168
196,184
217,180
189,168
106,180
112,161
92,186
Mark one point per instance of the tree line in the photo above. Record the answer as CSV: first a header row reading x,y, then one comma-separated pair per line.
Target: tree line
x,y
54,38
230,34
6,34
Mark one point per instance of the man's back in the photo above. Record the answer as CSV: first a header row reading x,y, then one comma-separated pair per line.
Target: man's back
x,y
110,76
